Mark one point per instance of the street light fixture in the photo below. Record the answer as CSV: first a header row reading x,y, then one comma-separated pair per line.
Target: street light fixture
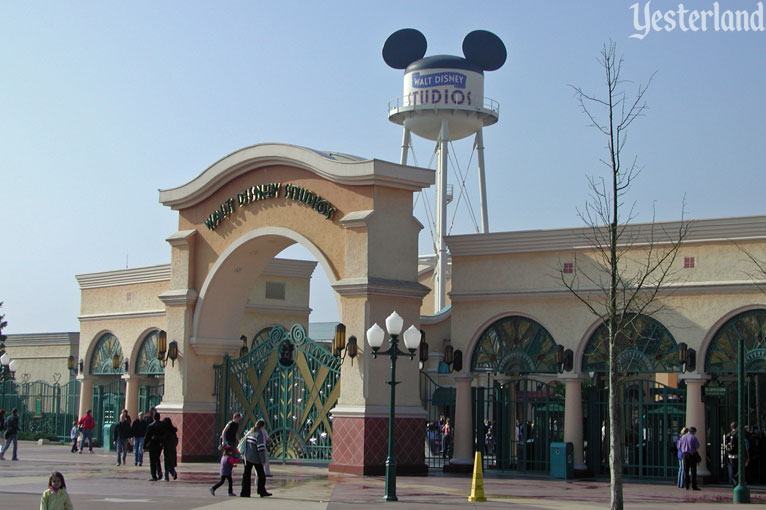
x,y
375,335
166,352
564,359
243,350
687,358
343,348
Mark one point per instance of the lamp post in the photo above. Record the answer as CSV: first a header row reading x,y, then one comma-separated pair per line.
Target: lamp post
x,y
741,491
375,334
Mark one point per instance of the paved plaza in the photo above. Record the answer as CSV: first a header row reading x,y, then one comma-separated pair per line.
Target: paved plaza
x,y
95,483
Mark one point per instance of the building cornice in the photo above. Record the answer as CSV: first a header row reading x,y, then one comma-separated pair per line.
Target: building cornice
x,y
278,309
179,297
42,339
339,169
290,268
737,229
145,314
380,287
124,277
676,288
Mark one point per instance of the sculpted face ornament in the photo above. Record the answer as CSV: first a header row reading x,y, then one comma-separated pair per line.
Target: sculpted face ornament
x,y
286,350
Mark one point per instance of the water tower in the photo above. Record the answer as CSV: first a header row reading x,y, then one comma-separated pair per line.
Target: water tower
x,y
443,101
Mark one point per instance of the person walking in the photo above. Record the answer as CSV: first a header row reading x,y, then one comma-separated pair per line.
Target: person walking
x,y
55,496
11,432
733,455
446,438
170,442
74,434
87,424
681,470
138,431
122,434
229,432
255,446
689,444
153,441
228,461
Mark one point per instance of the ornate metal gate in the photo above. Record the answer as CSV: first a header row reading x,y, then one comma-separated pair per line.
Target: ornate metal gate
x,y
515,421
651,415
292,383
108,402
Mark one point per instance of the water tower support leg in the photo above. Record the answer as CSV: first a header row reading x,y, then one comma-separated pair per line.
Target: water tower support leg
x,y
479,144
440,294
405,145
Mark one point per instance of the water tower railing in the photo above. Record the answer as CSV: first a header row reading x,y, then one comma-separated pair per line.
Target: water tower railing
x,y
404,103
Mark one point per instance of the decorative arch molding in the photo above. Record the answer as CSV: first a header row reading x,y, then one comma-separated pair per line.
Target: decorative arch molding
x,y
646,347
146,362
748,326
234,266
335,167
514,344
104,350
711,332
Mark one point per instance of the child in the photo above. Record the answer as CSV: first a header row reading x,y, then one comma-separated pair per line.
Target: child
x,y
73,434
55,496
228,461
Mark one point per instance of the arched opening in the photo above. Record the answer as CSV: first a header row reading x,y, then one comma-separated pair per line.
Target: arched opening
x,y
651,413
519,406
150,372
749,328
109,388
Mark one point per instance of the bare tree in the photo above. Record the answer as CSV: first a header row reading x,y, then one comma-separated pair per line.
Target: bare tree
x,y
625,266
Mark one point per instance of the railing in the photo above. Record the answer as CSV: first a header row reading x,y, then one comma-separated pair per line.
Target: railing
x,y
406,103
45,410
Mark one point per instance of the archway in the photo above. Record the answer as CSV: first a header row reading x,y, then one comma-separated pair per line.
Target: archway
x,y
234,218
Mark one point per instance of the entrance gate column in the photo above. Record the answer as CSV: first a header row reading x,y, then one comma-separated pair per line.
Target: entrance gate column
x,y
695,416
131,395
86,394
573,431
462,459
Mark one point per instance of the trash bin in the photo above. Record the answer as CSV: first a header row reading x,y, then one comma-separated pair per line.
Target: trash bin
x,y
562,460
108,437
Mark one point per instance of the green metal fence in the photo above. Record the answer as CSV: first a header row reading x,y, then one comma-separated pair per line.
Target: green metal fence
x,y
651,416
45,410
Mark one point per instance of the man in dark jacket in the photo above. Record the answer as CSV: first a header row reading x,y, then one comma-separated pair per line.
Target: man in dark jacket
x,y
121,435
255,456
138,431
153,441
11,431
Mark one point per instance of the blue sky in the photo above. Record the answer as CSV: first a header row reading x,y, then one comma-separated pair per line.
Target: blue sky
x,y
104,103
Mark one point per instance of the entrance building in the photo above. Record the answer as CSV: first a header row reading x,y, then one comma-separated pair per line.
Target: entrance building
x,y
507,315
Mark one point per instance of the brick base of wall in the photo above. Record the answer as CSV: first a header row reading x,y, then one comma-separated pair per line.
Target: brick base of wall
x,y
360,445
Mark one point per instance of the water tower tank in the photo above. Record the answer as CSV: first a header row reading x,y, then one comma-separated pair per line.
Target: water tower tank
x,y
443,87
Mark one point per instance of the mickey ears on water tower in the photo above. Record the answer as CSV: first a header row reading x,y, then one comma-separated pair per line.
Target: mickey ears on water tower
x,y
484,49
404,47
480,47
